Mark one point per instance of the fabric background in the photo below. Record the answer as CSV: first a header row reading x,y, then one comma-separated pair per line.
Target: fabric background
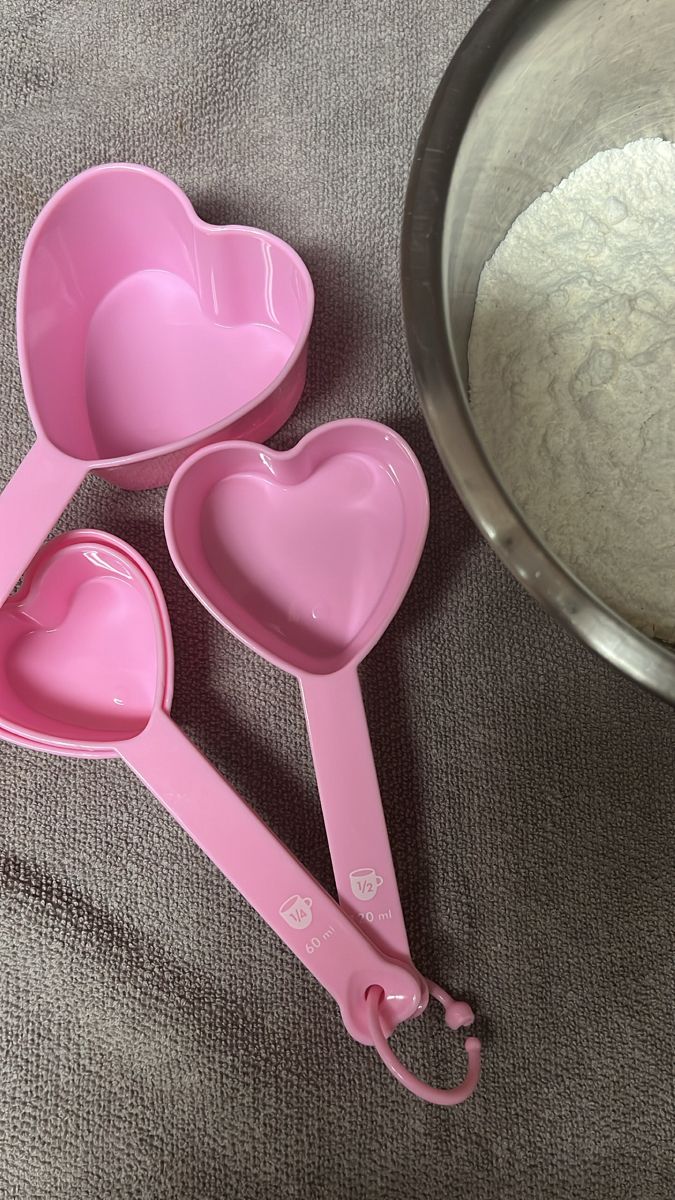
x,y
156,1041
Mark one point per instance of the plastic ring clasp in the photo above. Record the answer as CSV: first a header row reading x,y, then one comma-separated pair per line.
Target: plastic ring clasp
x,y
457,1014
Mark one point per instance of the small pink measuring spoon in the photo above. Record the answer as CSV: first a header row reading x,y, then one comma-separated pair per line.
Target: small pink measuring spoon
x,y
306,555
86,669
143,333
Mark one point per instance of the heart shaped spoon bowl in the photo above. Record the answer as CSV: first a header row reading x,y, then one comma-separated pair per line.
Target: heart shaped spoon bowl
x,y
85,648
304,554
142,333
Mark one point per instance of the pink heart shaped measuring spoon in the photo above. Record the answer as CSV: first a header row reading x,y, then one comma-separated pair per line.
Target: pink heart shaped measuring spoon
x,y
86,668
143,333
306,555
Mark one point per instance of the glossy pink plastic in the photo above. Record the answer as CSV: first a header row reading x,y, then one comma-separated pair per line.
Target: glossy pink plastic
x,y
454,1017
142,333
306,555
86,668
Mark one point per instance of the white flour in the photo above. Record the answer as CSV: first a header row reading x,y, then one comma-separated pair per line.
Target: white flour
x,y
572,374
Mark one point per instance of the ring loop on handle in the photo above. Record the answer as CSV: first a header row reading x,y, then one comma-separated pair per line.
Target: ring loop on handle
x,y
457,1013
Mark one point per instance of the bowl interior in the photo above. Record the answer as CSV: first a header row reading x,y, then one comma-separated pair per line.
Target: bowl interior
x,y
140,326
537,88
307,554
84,656
573,77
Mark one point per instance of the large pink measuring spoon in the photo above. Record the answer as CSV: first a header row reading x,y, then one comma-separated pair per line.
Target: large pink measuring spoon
x,y
86,668
306,556
142,333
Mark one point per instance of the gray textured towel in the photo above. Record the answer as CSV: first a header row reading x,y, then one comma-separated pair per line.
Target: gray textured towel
x,y
156,1041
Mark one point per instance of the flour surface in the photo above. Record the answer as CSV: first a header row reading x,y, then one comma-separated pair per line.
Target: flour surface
x,y
572,375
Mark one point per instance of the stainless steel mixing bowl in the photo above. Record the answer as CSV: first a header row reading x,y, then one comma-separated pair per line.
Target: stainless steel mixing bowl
x,y
536,88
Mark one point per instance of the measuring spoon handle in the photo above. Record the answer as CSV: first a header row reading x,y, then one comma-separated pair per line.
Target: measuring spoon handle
x,y
352,808
287,897
30,506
